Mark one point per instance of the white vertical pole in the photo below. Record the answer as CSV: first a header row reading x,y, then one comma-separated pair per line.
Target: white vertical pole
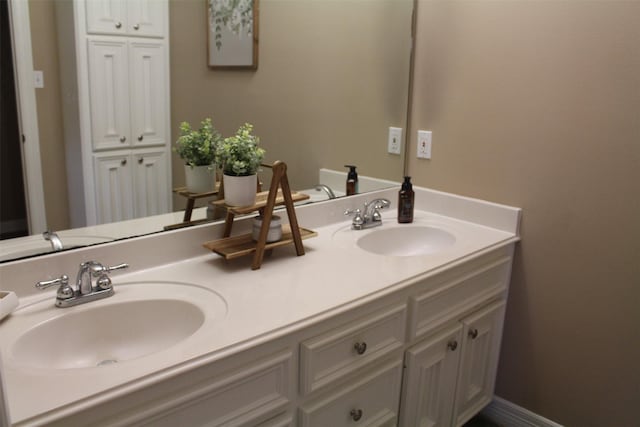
x,y
28,114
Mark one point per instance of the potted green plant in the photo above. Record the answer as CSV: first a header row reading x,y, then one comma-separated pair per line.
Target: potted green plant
x,y
239,156
197,147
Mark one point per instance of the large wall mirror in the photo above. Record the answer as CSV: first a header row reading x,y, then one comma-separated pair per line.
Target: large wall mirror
x,y
333,76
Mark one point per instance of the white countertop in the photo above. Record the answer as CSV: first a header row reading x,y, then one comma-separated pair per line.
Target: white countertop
x,y
286,294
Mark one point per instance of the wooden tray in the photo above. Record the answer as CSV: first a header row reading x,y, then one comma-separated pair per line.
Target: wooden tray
x,y
261,202
237,246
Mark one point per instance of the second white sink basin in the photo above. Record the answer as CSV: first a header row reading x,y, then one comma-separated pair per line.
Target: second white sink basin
x,y
426,235
139,320
406,240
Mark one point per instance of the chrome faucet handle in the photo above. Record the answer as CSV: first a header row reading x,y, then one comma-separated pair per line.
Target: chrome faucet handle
x,y
117,267
90,269
371,209
381,203
97,269
64,291
358,219
104,282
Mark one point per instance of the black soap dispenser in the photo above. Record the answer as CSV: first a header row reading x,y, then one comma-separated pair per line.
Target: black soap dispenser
x,y
406,198
352,180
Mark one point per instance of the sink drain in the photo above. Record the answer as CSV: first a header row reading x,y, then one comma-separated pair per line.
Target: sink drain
x,y
107,362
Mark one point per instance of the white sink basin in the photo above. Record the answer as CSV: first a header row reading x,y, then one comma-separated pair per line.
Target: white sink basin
x,y
408,240
139,320
401,240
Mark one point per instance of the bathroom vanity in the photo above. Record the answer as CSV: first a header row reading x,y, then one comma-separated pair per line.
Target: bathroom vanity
x,y
382,326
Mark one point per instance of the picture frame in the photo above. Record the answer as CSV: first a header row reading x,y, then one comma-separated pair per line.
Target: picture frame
x,y
232,41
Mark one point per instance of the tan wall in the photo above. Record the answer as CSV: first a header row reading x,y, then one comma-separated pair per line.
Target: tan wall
x,y
45,58
327,87
537,105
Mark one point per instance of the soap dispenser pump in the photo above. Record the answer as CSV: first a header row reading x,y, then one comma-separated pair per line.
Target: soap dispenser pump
x,y
406,198
352,180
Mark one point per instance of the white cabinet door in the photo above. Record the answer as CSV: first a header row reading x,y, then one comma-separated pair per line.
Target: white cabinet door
x,y
143,18
150,183
146,17
109,93
148,93
114,198
431,368
106,16
482,332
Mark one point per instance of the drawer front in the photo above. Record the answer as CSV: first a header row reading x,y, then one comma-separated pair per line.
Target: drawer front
x,y
432,309
246,397
372,400
333,355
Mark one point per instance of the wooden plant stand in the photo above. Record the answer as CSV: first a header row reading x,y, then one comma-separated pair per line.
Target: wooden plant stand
x,y
279,194
192,197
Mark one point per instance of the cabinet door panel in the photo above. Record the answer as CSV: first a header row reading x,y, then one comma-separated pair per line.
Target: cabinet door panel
x,y
151,193
106,16
114,197
429,380
148,93
146,18
109,93
482,332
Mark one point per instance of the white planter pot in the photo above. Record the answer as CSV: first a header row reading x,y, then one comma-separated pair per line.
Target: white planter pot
x,y
200,179
240,190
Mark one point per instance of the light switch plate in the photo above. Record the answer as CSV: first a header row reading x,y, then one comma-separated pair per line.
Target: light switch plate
x,y
394,145
38,79
424,144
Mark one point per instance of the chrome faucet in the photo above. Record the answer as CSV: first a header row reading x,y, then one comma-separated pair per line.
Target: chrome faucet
x,y
326,189
52,237
85,290
369,216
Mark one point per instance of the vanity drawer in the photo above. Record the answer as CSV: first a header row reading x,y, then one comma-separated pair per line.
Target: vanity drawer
x,y
334,354
245,397
446,302
371,400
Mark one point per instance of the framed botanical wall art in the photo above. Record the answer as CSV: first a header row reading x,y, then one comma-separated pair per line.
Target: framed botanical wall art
x,y
233,33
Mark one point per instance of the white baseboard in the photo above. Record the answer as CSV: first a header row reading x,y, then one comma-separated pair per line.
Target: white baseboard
x,y
509,414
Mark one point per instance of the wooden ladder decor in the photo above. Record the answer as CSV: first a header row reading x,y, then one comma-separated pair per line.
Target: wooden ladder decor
x,y
279,194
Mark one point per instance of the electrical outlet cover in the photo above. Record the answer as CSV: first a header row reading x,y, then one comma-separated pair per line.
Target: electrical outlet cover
x,y
395,140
